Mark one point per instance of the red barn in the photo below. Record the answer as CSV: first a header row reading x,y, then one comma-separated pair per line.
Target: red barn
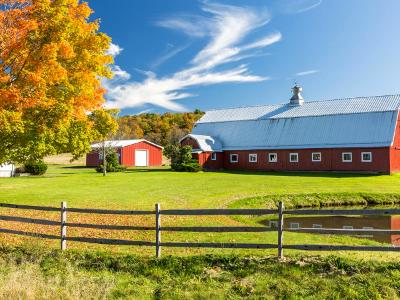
x,y
352,134
139,153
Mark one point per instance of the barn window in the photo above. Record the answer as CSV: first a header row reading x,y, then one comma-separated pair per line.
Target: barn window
x,y
366,156
272,157
214,156
316,226
294,225
347,157
294,157
234,158
100,156
316,156
252,157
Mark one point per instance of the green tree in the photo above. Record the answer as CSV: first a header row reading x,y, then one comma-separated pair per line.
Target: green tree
x,y
181,158
105,126
52,57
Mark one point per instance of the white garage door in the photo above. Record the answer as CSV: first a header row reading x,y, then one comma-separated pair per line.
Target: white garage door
x,y
140,158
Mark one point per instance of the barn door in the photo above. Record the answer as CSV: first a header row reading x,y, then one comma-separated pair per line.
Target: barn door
x,y
141,158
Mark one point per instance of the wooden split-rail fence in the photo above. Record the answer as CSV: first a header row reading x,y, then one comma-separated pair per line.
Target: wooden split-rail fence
x,y
158,229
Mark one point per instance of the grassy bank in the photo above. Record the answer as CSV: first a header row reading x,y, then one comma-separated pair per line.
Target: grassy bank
x,y
318,200
37,273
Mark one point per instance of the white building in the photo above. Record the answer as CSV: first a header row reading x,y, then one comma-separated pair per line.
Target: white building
x,y
7,170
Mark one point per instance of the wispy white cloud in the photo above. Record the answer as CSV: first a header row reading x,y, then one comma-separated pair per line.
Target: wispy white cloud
x,y
193,26
114,50
305,73
171,52
300,6
307,8
226,27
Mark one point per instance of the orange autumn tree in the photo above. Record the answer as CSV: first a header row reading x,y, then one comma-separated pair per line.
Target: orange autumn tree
x,y
52,58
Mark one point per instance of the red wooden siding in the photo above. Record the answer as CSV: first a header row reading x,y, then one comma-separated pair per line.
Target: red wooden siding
x,y
127,155
190,142
395,149
154,154
92,158
207,163
331,160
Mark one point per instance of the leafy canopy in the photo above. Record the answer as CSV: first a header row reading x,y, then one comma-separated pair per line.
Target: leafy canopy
x,y
51,60
165,129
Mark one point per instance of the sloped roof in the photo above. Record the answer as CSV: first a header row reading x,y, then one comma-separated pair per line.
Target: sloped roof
x,y
312,108
353,122
206,143
122,143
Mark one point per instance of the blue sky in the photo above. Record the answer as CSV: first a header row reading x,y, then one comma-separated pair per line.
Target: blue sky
x,y
178,55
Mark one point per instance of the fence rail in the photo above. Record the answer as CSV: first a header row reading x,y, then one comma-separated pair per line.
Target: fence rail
x,y
158,229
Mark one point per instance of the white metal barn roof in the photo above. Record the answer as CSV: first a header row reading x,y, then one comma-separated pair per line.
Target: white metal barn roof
x,y
122,143
351,122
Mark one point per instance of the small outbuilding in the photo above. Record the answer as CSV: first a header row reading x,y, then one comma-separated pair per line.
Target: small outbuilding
x,y
138,153
7,170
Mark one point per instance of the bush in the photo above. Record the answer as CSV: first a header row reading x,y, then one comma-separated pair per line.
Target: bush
x,y
192,166
181,158
112,164
36,167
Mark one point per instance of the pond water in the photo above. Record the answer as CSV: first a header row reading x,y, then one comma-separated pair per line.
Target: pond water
x,y
347,222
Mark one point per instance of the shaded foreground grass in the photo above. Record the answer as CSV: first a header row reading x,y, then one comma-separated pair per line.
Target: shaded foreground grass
x,y
37,273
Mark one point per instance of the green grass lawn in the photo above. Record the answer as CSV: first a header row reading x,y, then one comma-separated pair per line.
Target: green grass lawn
x,y
142,188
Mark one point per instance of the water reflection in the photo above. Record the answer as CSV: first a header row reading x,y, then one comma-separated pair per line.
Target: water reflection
x,y
347,222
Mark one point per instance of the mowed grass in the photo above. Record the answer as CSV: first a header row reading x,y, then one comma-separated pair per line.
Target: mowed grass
x,y
142,188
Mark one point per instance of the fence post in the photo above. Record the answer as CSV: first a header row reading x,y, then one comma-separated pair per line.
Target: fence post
x,y
280,230
158,232
63,226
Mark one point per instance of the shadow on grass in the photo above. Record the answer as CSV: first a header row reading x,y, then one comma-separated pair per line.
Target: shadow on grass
x,y
78,167
148,170
322,174
303,173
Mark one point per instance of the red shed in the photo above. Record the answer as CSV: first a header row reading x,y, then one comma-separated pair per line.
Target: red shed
x,y
139,153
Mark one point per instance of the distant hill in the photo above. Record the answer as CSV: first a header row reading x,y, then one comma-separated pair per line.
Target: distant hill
x,y
162,129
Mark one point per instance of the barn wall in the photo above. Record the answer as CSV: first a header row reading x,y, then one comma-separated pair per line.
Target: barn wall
x,y
154,154
92,158
331,160
190,142
395,150
206,162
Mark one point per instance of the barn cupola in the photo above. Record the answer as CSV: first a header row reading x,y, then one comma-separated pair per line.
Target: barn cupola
x,y
297,98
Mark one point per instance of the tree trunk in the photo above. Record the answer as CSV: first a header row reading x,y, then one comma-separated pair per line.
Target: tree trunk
x,y
104,159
